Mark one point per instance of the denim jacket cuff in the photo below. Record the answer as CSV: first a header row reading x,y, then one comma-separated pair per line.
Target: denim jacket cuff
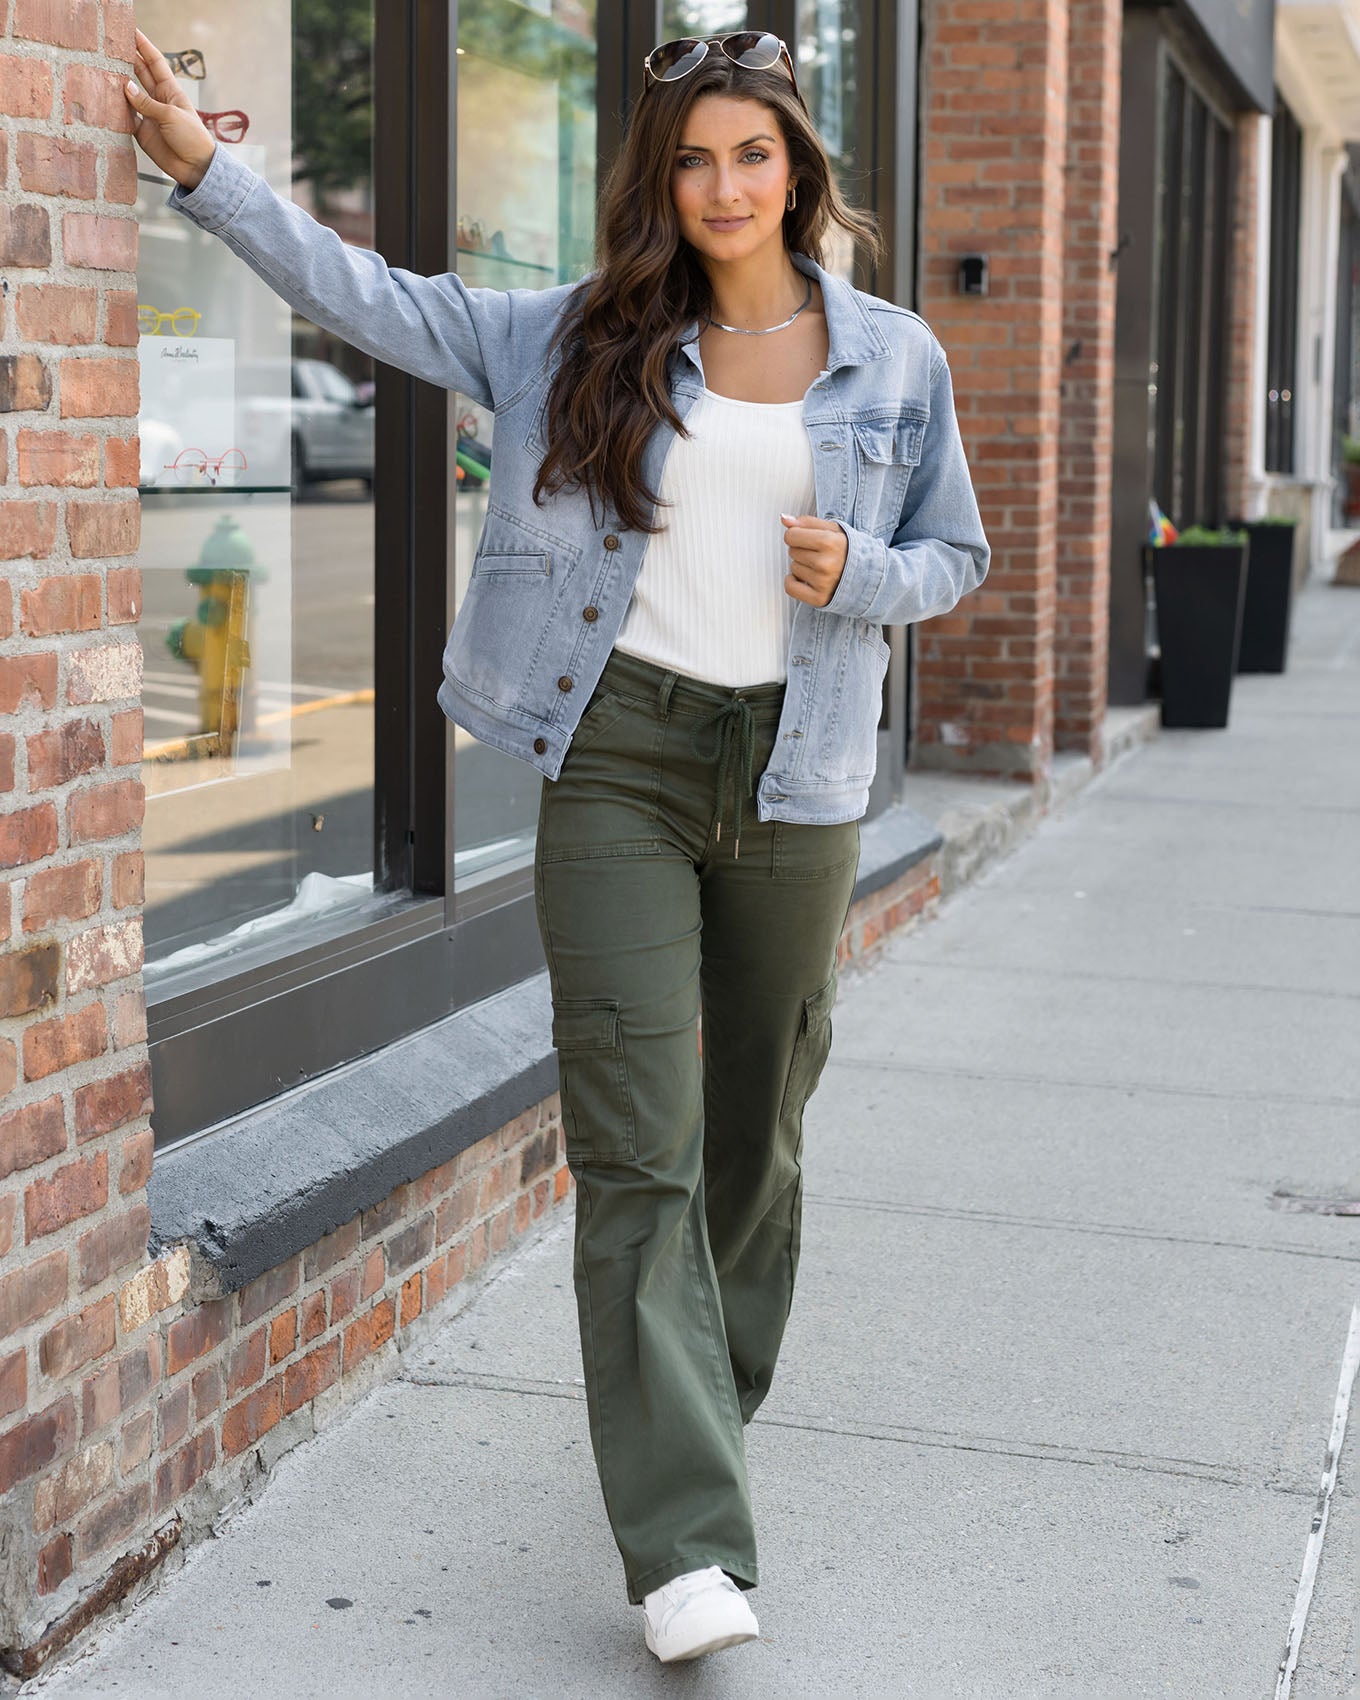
x,y
863,574
220,194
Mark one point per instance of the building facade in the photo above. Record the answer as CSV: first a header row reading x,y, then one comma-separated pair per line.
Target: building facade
x,y
274,1028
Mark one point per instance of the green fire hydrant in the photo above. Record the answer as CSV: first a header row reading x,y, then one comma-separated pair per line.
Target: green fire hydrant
x,y
215,641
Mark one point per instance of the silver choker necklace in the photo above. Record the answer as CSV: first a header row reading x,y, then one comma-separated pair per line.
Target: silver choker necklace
x,y
740,330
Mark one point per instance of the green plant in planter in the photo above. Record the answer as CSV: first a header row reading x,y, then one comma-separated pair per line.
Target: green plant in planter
x,y
1206,537
1350,448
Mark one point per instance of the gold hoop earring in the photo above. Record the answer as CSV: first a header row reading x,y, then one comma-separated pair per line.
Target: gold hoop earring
x,y
791,199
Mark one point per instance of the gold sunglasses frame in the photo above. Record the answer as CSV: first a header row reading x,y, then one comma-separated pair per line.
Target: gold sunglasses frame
x,y
649,76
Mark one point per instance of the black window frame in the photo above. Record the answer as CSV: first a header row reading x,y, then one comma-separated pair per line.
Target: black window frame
x,y
1189,334
1282,316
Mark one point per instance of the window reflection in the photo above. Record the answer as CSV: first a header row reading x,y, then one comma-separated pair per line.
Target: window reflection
x,y
256,433
701,17
525,219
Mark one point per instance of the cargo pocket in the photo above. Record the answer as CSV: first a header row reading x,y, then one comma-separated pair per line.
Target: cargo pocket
x,y
597,1107
810,1049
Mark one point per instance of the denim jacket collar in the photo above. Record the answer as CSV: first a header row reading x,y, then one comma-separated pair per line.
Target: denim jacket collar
x,y
853,336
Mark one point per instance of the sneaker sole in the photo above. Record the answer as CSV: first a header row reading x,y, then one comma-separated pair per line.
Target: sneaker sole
x,y
715,1644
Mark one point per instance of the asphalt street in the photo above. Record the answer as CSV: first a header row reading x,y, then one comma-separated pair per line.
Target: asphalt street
x,y
1068,1338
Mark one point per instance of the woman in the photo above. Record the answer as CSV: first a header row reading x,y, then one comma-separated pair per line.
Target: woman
x,y
702,699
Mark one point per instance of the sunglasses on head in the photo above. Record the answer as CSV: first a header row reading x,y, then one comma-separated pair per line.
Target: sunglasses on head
x,y
758,50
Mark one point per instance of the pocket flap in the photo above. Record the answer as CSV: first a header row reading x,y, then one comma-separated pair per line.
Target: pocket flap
x,y
820,1003
896,437
587,1025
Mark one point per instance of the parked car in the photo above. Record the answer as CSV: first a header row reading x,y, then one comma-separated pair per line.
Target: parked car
x,y
322,420
332,426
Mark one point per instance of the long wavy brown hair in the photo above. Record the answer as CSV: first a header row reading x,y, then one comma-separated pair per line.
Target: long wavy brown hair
x,y
619,330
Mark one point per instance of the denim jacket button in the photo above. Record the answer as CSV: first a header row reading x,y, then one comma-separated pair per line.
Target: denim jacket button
x,y
564,683
611,542
540,746
590,615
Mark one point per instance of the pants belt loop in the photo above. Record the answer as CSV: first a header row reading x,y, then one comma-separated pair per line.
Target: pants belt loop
x,y
663,701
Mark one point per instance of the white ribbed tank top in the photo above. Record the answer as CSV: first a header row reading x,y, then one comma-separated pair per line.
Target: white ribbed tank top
x,y
709,600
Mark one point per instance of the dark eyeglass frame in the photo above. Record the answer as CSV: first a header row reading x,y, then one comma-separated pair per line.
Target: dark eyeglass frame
x,y
188,62
753,38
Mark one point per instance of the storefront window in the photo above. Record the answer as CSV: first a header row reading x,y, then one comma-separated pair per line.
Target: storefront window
x,y
526,219
829,54
257,433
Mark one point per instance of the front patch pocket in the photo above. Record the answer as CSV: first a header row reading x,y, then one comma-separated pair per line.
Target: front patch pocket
x,y
806,852
810,1049
886,452
597,1106
603,709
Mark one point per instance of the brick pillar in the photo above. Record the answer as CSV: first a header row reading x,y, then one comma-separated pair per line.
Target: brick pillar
x,y
75,1145
994,119
1242,400
1085,469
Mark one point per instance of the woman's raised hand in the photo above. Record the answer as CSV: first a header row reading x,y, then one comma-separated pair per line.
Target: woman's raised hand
x,y
166,125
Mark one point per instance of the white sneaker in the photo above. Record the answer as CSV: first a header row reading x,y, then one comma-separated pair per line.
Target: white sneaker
x,y
698,1612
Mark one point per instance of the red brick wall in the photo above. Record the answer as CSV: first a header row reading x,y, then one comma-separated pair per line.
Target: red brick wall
x,y
141,1401
75,1145
994,126
1081,637
1240,404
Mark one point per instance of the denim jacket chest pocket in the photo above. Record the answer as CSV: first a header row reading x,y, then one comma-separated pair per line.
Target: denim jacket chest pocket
x,y
887,449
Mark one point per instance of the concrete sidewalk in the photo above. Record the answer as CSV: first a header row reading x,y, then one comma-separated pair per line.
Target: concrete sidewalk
x,y
1061,1367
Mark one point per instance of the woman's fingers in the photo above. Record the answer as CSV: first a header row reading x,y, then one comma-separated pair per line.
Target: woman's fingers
x,y
162,79
146,105
157,63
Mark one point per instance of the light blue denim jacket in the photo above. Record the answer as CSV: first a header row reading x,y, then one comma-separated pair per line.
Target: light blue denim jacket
x,y
549,586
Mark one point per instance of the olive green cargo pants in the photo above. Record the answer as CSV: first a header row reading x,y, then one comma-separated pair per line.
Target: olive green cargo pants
x,y
658,887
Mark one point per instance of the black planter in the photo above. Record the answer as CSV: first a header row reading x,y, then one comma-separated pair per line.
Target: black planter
x,y
1200,591
1270,596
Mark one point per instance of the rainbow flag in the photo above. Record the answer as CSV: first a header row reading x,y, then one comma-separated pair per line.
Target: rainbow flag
x,y
1161,530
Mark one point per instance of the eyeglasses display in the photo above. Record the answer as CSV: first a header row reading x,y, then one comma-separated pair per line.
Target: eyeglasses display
x,y
192,467
183,321
228,126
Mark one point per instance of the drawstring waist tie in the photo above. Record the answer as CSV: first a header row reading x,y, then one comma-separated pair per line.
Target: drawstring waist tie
x,y
735,728
727,723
